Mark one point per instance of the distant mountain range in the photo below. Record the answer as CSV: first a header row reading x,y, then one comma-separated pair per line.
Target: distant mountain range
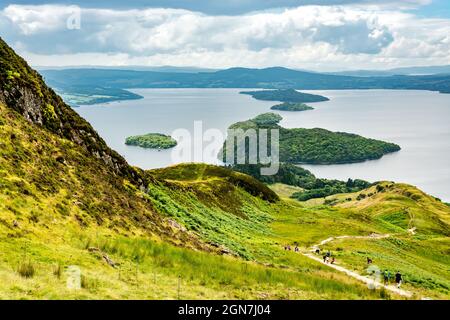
x,y
134,68
427,70
70,82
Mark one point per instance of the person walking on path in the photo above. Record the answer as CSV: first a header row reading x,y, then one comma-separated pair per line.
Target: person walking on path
x,y
398,279
387,277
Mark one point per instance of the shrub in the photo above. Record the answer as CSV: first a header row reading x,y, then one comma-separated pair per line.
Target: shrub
x,y
88,283
57,271
49,112
26,269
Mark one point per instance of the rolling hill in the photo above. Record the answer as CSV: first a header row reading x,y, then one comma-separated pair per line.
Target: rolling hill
x,y
82,85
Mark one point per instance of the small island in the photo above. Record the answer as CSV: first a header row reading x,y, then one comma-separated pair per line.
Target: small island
x,y
289,106
317,146
152,141
285,95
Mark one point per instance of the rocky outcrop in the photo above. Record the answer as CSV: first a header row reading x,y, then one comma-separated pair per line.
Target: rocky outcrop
x,y
24,90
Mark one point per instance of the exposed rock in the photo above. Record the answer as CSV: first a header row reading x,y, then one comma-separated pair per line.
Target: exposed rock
x,y
225,250
176,225
105,257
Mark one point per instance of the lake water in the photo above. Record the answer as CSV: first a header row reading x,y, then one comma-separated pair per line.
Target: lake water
x,y
416,120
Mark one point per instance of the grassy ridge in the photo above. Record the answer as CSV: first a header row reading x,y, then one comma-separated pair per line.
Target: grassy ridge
x,y
419,229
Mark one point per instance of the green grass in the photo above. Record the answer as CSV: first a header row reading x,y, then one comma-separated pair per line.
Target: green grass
x,y
392,208
151,270
423,263
284,190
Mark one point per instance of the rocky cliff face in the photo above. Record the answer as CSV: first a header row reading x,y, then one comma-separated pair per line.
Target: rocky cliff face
x,y
24,90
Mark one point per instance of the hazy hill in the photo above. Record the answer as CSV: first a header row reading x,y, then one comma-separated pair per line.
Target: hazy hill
x,y
275,77
426,70
83,81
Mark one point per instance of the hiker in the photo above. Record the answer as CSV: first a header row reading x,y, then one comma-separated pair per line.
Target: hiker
x,y
317,251
325,258
387,276
289,247
296,249
398,279
369,261
333,260
328,253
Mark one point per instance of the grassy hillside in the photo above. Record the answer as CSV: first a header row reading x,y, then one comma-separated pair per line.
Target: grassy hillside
x,y
70,204
60,207
418,225
64,203
242,233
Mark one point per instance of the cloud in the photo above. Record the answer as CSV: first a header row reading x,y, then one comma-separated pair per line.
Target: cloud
x,y
225,7
155,31
297,37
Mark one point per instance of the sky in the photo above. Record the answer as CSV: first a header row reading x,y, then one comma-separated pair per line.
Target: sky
x,y
322,35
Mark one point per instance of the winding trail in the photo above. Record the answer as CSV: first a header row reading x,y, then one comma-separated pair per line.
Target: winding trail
x,y
366,279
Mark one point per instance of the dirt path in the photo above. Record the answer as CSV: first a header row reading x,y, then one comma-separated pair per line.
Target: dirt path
x,y
367,280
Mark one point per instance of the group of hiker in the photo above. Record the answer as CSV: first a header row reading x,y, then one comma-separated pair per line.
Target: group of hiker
x,y
387,276
329,259
288,247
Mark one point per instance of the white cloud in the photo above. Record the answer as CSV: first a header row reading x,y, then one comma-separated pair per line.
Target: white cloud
x,y
332,36
34,19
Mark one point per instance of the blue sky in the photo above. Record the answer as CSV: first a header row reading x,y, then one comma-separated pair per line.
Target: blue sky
x,y
313,34
438,8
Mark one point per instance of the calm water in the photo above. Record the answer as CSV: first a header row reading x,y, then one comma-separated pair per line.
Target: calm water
x,y
416,120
